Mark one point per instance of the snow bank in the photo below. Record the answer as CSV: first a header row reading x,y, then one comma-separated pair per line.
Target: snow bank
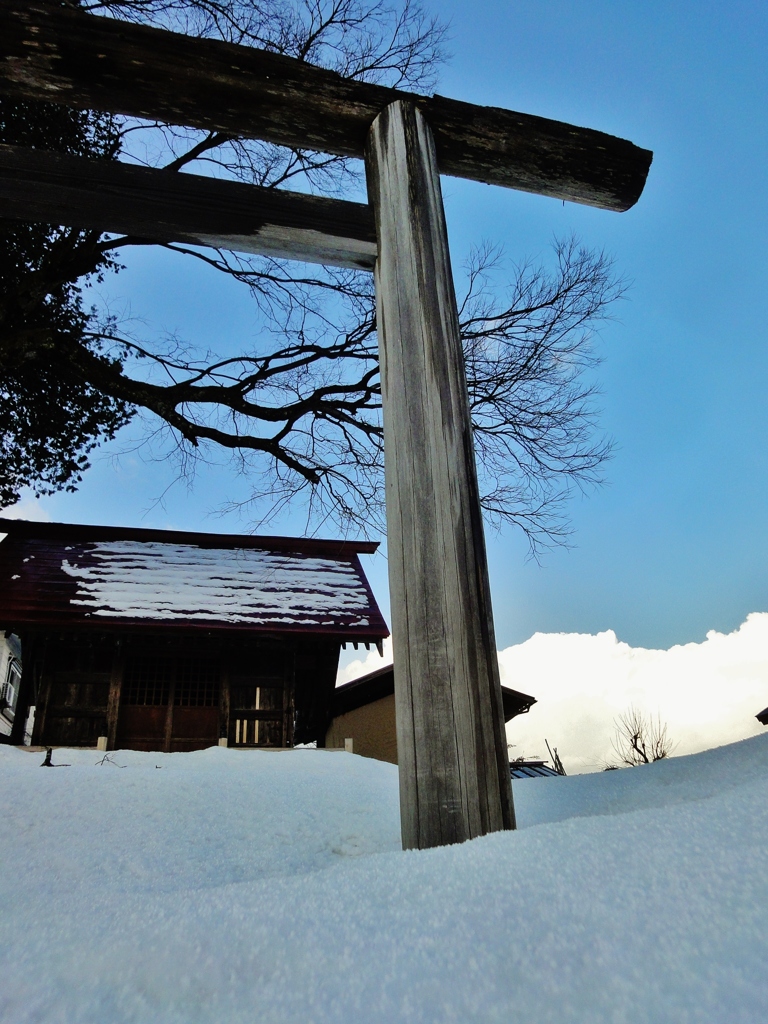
x,y
233,886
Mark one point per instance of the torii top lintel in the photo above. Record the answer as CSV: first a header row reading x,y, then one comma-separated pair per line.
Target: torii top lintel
x,y
62,55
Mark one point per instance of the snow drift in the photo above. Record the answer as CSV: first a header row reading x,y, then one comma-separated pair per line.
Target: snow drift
x,y
241,886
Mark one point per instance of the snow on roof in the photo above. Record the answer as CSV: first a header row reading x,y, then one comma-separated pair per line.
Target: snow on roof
x,y
55,574
130,579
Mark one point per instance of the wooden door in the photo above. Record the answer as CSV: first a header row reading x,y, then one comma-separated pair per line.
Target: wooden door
x,y
74,695
261,701
144,703
195,711
169,703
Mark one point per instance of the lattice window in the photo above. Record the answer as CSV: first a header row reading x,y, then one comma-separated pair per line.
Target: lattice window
x,y
147,681
197,684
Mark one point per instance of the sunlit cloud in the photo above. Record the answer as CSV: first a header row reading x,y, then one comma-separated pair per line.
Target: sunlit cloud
x,y
367,662
28,508
707,693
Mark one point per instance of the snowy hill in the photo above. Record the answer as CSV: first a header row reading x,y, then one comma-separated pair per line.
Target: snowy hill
x,y
229,886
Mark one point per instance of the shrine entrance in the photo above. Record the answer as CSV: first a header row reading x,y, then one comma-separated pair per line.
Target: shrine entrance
x,y
453,763
175,702
169,703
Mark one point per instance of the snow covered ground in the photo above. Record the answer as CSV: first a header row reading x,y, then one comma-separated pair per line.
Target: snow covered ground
x,y
228,886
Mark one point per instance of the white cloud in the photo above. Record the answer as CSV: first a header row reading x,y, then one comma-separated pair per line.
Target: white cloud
x,y
28,508
707,693
362,666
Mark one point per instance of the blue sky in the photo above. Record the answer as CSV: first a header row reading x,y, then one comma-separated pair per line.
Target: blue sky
x,y
676,544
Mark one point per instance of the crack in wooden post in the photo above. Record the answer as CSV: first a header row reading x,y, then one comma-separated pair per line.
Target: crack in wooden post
x,y
452,753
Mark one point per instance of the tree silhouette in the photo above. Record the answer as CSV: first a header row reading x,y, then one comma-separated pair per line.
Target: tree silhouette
x,y
298,410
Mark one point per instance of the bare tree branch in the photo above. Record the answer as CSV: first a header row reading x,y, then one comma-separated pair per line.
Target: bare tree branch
x,y
299,408
639,739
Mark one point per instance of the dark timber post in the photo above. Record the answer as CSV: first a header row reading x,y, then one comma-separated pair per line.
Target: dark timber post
x,y
454,770
115,690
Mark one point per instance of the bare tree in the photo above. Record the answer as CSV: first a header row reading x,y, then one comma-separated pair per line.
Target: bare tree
x,y
299,409
640,739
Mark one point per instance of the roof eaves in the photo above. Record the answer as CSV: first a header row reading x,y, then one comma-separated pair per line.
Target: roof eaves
x,y
83,532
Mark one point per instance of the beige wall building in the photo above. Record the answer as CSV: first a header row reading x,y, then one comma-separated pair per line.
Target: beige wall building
x,y
371,729
363,712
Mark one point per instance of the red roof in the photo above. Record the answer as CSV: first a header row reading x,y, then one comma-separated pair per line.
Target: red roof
x,y
100,577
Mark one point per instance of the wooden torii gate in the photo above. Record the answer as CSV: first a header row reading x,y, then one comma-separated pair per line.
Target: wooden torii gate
x,y
454,772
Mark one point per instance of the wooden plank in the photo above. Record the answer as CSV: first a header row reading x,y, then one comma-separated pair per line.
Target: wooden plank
x,y
289,698
168,731
115,689
224,705
165,206
256,715
44,683
454,772
75,711
51,53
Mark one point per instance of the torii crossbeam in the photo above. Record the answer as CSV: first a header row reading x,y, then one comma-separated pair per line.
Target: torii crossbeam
x,y
454,772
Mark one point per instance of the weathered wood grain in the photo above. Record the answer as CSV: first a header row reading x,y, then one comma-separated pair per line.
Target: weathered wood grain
x,y
165,206
50,53
454,771
224,704
115,688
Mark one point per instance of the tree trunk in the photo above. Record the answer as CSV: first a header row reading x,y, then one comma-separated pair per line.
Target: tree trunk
x,y
454,770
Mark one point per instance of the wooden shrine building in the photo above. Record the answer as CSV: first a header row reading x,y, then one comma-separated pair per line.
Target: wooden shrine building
x,y
160,640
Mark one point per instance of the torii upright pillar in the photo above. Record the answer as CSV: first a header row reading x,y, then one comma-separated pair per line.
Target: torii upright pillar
x,y
454,769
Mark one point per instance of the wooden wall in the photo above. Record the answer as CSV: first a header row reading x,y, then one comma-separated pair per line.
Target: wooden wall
x,y
181,694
